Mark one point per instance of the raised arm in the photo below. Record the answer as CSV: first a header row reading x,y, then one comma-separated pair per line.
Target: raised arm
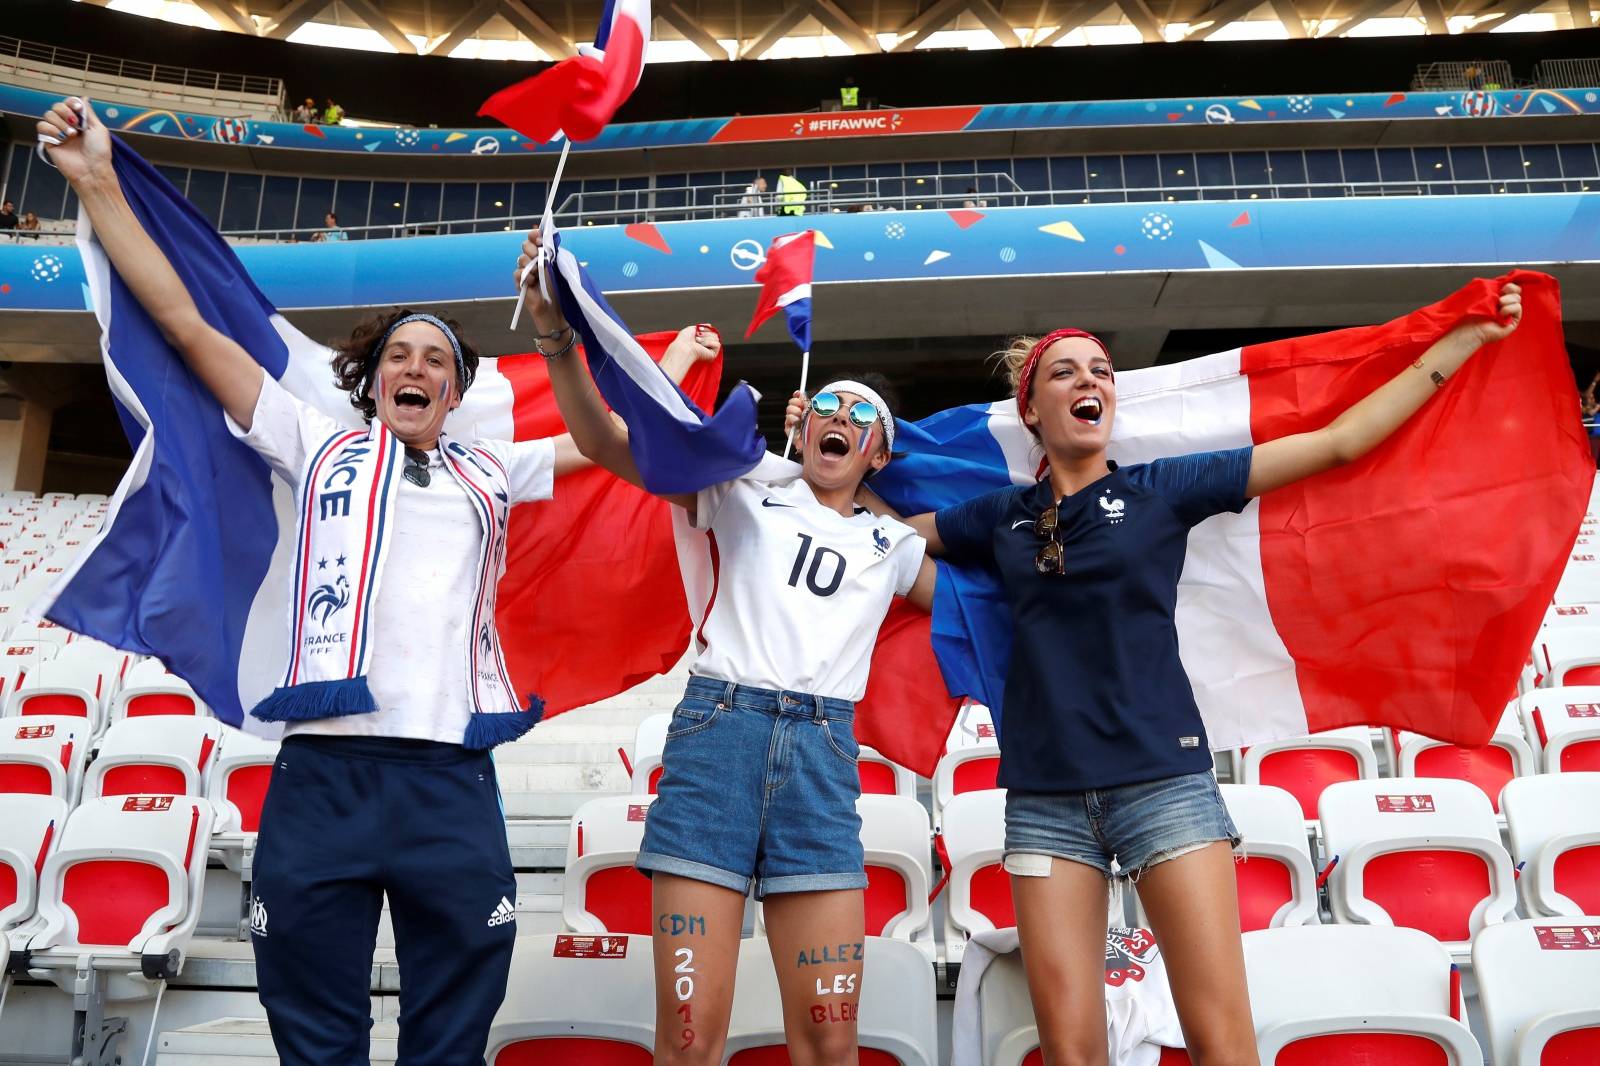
x,y
1369,422
83,155
596,434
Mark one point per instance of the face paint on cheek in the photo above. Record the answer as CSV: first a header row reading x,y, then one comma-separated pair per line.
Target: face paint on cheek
x,y
866,439
444,393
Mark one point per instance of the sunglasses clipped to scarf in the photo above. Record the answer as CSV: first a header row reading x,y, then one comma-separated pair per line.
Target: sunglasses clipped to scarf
x,y
416,470
861,414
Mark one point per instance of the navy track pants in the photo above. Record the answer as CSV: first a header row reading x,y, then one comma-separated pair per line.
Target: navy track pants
x,y
346,820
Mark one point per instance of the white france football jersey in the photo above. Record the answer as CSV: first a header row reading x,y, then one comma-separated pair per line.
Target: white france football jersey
x,y
799,590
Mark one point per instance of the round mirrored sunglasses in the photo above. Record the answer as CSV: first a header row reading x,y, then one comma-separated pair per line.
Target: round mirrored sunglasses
x,y
861,413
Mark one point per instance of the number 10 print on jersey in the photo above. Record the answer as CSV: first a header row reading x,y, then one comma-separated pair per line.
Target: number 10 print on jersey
x,y
797,591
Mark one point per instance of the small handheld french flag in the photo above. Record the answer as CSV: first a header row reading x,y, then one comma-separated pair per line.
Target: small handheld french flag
x,y
786,284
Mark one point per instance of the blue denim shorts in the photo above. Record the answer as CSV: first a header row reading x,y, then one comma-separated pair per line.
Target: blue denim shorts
x,y
758,791
1138,825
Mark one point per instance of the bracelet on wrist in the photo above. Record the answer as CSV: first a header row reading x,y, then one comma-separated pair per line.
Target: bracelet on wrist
x,y
553,335
572,340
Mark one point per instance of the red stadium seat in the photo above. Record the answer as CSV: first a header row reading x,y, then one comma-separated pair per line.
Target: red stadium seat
x,y
1306,766
979,889
601,891
1565,724
147,756
1276,878
586,1000
1507,755
573,1051
43,755
1537,981
1554,824
1422,853
648,743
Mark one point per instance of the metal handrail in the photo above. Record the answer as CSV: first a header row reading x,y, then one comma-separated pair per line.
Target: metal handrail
x,y
1453,74
728,199
135,70
831,205
1566,73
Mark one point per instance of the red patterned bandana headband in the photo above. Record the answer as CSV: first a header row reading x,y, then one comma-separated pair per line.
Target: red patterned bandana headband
x,y
1031,364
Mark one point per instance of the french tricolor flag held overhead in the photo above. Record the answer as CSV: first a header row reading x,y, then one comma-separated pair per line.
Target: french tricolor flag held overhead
x,y
194,563
579,96
785,280
1402,590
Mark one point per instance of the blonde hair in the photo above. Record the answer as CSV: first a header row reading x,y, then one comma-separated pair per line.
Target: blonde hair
x,y
1010,359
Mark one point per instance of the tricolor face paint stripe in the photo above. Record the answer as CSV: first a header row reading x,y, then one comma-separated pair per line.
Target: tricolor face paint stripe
x,y
866,440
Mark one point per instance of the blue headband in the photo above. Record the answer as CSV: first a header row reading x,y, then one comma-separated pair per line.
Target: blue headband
x,y
455,345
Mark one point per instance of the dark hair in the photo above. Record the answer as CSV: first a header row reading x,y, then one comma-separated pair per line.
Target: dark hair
x,y
330,214
354,359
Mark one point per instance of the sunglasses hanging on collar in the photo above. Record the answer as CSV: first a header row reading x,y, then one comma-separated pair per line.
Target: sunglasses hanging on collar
x,y
416,470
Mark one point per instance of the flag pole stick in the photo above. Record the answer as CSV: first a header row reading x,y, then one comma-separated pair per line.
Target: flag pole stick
x,y
805,366
547,228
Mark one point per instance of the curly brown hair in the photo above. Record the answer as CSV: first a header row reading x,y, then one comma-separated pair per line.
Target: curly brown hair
x,y
354,359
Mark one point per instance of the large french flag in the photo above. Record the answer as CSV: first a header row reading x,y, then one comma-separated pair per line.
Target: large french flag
x,y
785,280
193,565
579,96
1402,590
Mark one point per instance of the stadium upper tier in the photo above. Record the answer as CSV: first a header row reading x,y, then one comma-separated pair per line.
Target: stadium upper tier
x,y
793,129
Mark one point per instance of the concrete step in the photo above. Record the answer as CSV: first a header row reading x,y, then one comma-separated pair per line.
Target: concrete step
x,y
552,803
590,777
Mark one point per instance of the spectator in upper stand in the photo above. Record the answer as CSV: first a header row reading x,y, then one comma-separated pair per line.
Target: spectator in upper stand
x,y
306,113
330,230
333,114
29,224
849,95
972,200
8,215
1474,76
754,201
791,194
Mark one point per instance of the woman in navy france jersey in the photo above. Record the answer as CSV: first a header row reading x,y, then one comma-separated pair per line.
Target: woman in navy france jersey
x,y
759,777
1103,751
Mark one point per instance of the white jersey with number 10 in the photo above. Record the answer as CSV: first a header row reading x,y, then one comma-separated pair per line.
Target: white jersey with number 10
x,y
799,590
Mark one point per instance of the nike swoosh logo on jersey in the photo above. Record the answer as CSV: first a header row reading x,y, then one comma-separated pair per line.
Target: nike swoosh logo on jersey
x,y
1022,522
769,502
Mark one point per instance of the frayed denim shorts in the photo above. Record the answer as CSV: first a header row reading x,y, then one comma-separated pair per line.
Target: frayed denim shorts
x,y
758,791
1138,825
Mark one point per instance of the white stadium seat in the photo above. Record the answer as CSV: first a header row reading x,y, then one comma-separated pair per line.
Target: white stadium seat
x,y
895,1023
11,607
123,889
30,828
1554,823
1421,853
1277,879
648,743
1507,755
882,777
1355,994
973,829
602,892
149,690
970,768
974,725
1569,655
61,688
897,844
16,659
577,999
43,755
1537,980
240,771
1305,766
1565,725
41,631
143,756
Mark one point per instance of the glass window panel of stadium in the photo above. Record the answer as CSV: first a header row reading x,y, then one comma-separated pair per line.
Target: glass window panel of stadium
x,y
281,206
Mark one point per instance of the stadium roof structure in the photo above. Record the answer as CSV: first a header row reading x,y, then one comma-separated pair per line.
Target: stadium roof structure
x,y
755,29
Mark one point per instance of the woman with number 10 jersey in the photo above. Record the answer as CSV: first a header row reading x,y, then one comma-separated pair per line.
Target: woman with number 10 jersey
x,y
759,777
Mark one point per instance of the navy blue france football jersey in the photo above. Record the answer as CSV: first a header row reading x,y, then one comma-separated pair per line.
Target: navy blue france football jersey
x,y
1096,695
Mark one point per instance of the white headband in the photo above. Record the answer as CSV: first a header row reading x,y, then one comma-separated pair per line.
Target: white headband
x,y
872,397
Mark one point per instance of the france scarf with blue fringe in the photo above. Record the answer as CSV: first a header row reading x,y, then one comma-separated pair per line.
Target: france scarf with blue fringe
x,y
347,500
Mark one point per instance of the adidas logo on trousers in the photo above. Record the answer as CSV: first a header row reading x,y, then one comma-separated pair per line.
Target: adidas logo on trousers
x,y
503,913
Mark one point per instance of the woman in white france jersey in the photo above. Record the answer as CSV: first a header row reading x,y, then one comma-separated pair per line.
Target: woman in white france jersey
x,y
384,784
759,777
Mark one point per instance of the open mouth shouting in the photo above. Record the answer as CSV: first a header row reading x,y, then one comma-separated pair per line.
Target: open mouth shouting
x,y
1087,409
413,398
834,445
